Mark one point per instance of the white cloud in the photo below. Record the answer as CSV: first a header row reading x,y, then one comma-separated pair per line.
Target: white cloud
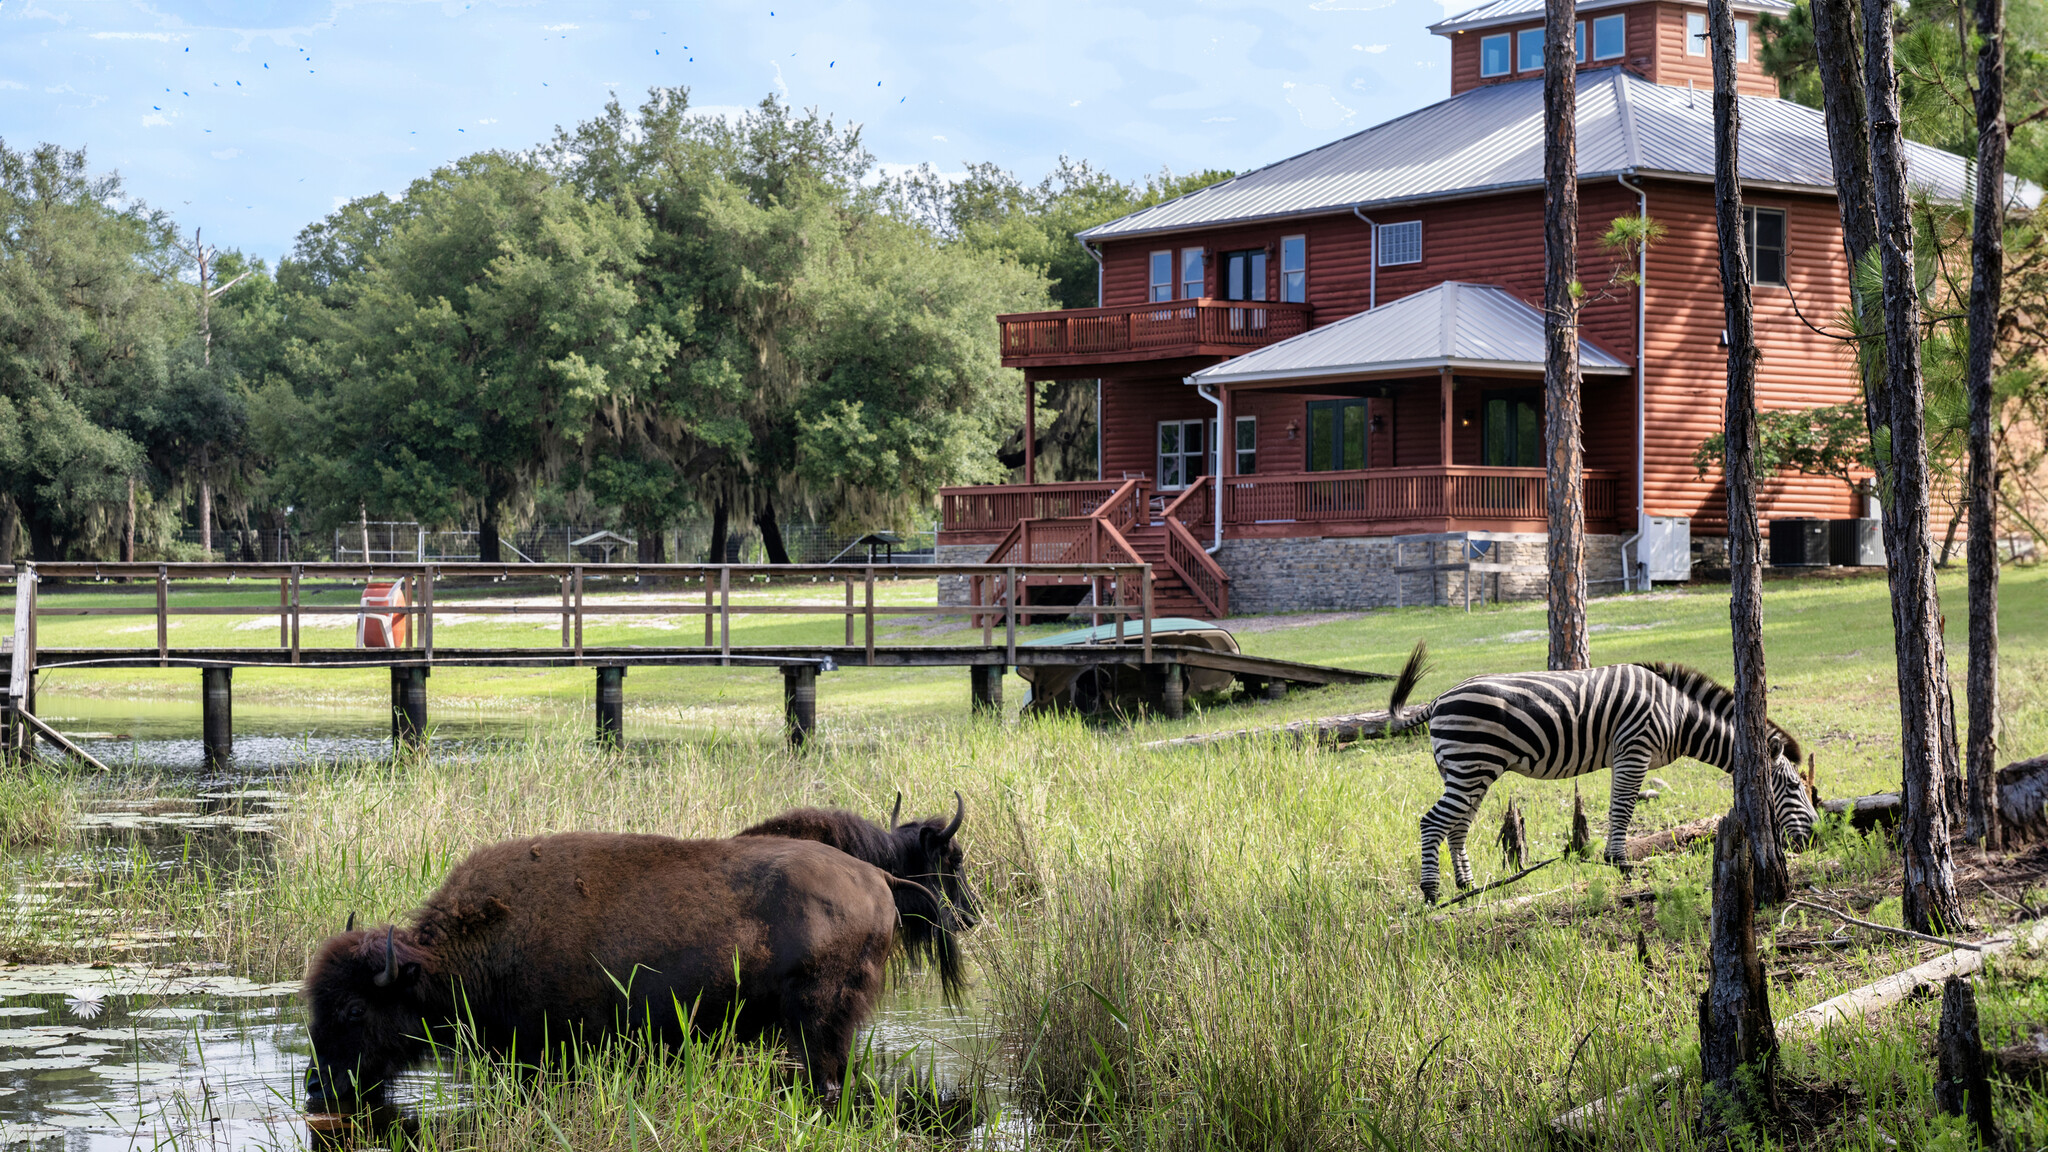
x,y
226,154
1368,47
15,84
1220,120
1073,103
156,120
558,27
1319,108
640,14
1349,5
940,139
58,88
488,120
159,37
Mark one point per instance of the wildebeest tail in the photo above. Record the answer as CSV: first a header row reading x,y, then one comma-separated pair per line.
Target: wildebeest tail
x,y
1411,674
927,929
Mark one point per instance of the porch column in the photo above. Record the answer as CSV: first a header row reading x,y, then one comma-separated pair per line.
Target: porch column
x,y
1030,430
1443,447
1226,436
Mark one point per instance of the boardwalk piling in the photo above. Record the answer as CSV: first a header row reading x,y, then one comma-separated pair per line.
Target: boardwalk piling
x,y
1166,689
217,720
986,682
800,702
611,706
408,707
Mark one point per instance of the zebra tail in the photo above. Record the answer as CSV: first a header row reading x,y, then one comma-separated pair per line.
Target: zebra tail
x,y
1417,667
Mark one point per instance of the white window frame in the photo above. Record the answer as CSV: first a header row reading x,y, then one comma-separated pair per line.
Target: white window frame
x,y
1742,41
1191,261
1750,212
1522,53
1178,477
1579,41
1240,452
1621,48
1157,285
1695,33
1404,250
1294,281
1507,55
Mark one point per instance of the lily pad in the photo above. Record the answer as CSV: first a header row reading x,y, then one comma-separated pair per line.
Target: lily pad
x,y
173,1013
22,1010
44,1064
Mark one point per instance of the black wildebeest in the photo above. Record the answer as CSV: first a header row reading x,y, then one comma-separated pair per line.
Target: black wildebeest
x,y
530,944
923,851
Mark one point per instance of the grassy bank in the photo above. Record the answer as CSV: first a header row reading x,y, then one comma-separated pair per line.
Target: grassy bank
x,y
1215,946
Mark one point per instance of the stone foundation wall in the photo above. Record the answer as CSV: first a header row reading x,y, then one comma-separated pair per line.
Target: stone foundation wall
x,y
1357,573
953,589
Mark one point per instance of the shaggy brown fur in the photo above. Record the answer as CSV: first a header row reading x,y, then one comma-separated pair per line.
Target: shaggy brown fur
x,y
533,943
924,851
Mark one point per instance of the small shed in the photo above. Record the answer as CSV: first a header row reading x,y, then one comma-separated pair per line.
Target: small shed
x,y
604,543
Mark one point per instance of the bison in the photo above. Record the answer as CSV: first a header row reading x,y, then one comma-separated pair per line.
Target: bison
x,y
923,851
533,943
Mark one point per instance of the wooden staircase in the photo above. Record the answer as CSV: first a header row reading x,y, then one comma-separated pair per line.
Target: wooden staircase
x,y
1134,525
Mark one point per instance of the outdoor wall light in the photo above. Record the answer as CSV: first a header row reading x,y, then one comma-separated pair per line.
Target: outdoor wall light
x,y
1466,422
1379,423
1293,427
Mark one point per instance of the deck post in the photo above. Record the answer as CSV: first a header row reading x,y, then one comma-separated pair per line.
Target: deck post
x,y
1166,690
1030,430
611,706
408,707
985,681
217,715
1443,431
800,702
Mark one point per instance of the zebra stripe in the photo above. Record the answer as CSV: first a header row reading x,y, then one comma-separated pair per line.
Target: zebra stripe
x,y
1632,718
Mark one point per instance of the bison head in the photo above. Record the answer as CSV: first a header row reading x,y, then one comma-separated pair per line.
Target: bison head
x,y
364,1016
929,854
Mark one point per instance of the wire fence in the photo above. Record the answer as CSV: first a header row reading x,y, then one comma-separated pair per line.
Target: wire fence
x,y
406,541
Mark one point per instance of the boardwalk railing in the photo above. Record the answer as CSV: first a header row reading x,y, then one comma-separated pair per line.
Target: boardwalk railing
x,y
716,592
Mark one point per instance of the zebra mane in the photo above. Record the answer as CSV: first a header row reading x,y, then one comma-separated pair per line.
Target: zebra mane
x,y
1714,696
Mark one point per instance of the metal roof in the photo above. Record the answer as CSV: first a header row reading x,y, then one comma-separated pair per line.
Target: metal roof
x,y
1490,139
1474,327
1514,11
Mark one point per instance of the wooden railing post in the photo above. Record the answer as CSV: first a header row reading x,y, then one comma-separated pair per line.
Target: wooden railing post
x,y
1010,615
284,621
724,611
849,613
426,579
163,616
296,577
707,609
576,587
870,621
1145,587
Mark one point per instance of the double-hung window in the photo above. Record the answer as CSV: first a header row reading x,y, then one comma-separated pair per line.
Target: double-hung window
x,y
1763,230
1529,50
1610,37
1579,41
1182,455
1742,40
1400,243
1247,445
1294,269
1244,274
1494,56
1162,276
1191,273
1695,33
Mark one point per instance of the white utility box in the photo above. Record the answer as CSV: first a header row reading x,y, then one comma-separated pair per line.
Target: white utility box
x,y
1665,551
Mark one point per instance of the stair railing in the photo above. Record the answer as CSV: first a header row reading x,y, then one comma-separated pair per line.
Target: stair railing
x,y
1185,555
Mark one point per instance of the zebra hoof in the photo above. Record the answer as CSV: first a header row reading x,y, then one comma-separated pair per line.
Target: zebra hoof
x,y
1429,896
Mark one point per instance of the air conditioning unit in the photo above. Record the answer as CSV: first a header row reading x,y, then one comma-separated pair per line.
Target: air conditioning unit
x,y
1665,550
1799,543
1858,542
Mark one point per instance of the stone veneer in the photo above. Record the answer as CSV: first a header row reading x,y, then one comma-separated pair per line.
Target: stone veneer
x,y
953,589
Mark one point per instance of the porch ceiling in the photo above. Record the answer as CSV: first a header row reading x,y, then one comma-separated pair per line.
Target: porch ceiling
x,y
1468,328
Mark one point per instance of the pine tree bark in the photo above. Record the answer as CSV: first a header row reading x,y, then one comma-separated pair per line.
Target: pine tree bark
x,y
1987,270
1750,774
1564,454
1929,898
1738,1043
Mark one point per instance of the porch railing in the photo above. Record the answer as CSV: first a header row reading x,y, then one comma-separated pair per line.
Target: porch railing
x,y
998,507
1142,328
1457,492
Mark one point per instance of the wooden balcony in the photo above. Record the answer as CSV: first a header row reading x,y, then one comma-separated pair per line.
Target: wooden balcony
x,y
1374,502
1077,337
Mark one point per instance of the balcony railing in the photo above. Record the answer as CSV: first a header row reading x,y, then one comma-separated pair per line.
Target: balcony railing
x,y
1147,331
1431,492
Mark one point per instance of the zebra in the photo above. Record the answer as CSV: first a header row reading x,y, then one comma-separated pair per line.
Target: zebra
x,y
1554,725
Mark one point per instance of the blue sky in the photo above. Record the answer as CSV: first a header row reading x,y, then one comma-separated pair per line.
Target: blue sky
x,y
251,120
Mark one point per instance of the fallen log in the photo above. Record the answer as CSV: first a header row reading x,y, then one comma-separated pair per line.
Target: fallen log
x,y
1328,730
2022,803
1677,838
1882,810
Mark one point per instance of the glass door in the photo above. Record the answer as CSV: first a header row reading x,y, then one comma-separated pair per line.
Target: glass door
x,y
1336,435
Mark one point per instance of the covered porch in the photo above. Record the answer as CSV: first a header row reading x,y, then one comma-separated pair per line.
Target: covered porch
x,y
1422,416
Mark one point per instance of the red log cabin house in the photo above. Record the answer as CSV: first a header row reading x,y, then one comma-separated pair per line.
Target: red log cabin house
x,y
1357,329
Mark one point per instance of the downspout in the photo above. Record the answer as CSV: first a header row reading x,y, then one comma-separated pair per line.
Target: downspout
x,y
1372,292
1216,478
1091,250
1642,449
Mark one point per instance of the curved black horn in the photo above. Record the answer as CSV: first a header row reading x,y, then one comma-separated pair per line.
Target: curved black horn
x,y
897,810
959,814
351,926
390,971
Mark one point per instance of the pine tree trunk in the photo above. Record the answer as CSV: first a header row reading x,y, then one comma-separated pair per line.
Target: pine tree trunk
x,y
771,533
1929,899
1750,774
720,529
10,531
1564,448
648,548
1987,269
1738,1044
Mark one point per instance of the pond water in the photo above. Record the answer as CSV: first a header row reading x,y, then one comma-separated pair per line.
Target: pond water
x,y
138,1053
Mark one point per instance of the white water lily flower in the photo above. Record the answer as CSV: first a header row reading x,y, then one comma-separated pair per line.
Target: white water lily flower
x,y
86,1003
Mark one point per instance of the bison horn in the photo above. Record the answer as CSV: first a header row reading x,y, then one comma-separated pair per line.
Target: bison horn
x,y
959,814
390,971
351,925
897,810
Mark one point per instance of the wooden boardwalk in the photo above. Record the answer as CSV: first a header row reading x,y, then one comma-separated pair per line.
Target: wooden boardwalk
x,y
1118,593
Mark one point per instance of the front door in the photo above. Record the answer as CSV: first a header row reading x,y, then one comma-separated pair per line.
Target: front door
x,y
1512,436
1183,452
1336,435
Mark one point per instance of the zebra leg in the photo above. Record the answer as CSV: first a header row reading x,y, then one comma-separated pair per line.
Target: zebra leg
x,y
1451,816
1631,763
